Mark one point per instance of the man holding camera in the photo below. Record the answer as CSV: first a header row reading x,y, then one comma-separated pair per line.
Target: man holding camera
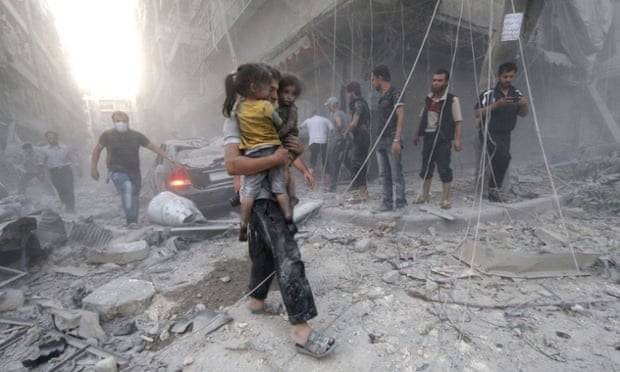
x,y
498,109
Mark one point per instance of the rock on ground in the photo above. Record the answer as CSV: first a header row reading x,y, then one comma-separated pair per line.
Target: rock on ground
x,y
106,365
120,297
11,299
121,252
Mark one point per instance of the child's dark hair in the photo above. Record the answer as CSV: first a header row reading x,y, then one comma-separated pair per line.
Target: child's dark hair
x,y
239,83
288,79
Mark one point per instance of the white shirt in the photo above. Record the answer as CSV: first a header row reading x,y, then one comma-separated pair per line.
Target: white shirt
x,y
58,156
318,129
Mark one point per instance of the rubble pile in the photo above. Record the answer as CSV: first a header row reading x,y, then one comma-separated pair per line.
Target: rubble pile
x,y
596,184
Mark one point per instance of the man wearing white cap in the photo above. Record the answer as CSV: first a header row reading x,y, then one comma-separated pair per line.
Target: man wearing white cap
x,y
336,144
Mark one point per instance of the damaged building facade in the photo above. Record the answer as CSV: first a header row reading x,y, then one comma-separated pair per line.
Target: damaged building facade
x,y
37,91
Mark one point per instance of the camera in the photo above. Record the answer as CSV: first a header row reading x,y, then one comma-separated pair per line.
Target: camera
x,y
235,200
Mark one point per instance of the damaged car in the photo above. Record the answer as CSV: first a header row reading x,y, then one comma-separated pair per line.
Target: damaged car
x,y
202,177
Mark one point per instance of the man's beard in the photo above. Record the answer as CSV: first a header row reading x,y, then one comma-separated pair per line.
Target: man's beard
x,y
439,90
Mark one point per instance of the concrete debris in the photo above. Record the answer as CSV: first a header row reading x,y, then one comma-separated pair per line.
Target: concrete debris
x,y
549,238
11,299
48,348
306,209
578,213
225,279
65,320
126,329
364,245
90,327
391,277
120,252
106,365
160,308
106,268
120,297
78,271
511,264
169,209
182,325
375,293
188,360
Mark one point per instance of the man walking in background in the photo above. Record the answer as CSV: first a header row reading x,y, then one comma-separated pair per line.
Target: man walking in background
x,y
441,122
60,162
389,146
359,129
498,109
123,147
337,143
318,131
30,162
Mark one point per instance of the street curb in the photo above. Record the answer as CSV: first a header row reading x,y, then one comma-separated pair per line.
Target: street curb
x,y
414,220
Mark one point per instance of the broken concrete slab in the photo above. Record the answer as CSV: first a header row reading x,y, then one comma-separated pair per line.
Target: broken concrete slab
x,y
11,299
550,238
120,252
437,212
579,213
120,297
511,264
78,271
65,319
364,245
90,327
106,365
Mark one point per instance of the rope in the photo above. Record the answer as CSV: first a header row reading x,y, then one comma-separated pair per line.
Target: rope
x,y
556,197
428,30
443,107
483,159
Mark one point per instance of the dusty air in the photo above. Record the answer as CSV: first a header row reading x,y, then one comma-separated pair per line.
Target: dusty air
x,y
329,185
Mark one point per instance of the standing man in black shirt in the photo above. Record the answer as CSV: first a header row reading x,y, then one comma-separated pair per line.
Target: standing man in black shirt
x,y
498,109
389,147
358,128
123,147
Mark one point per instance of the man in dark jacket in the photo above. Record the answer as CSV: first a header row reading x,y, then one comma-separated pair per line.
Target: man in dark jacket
x,y
441,122
498,109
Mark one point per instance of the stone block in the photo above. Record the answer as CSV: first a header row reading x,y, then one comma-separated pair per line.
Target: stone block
x,y
90,327
120,297
11,299
550,238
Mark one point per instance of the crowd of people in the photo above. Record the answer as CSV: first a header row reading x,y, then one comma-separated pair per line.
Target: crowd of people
x,y
261,141
262,145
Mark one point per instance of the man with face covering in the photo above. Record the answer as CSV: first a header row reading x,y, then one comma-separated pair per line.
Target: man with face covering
x,y
123,147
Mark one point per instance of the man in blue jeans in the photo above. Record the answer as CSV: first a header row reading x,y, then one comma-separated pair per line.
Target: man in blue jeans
x,y
123,150
389,147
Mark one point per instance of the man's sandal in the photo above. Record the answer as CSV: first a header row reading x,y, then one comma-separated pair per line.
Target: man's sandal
x,y
269,308
446,204
421,200
317,345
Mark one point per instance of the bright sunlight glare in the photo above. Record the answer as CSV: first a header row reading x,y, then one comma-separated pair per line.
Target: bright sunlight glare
x,y
102,43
